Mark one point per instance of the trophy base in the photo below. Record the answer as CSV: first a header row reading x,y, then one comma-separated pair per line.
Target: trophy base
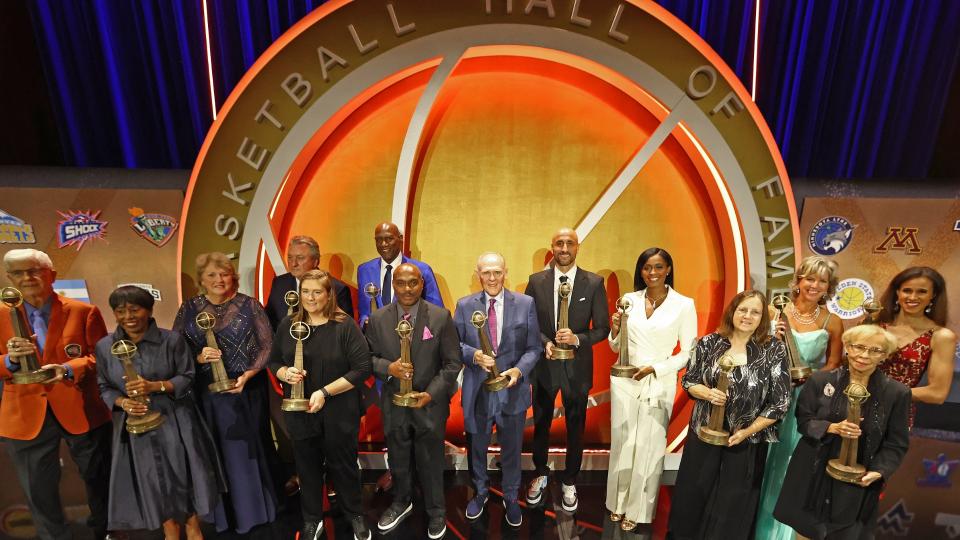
x,y
800,373
563,354
33,377
295,405
222,386
713,436
627,372
144,424
845,473
404,400
495,384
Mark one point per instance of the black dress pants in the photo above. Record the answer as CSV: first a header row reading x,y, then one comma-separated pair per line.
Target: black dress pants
x,y
575,412
329,455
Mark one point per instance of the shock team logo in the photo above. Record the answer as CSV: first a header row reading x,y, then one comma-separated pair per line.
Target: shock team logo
x,y
76,228
158,229
14,230
831,235
851,294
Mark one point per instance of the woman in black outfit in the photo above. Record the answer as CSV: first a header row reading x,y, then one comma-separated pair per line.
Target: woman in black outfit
x,y
336,360
812,502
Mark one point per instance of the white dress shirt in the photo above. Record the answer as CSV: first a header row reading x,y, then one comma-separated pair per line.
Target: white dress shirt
x,y
393,268
498,309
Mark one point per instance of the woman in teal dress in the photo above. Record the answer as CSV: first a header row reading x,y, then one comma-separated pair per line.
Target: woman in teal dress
x,y
817,334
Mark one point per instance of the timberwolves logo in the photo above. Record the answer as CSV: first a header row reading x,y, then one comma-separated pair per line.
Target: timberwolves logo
x,y
158,229
851,294
831,235
78,227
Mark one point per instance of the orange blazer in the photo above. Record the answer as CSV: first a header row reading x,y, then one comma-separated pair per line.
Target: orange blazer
x,y
76,404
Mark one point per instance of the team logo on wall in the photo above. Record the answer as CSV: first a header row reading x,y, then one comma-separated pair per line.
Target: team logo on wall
x,y
14,230
158,229
901,239
896,521
831,235
938,471
76,228
155,293
847,303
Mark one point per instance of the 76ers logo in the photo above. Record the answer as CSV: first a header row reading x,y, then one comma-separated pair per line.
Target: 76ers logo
x,y
78,227
831,235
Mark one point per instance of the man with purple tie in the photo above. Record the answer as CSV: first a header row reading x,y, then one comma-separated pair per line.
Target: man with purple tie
x,y
515,339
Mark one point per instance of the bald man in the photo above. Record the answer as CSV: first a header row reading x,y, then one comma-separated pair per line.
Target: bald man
x,y
588,324
379,271
435,354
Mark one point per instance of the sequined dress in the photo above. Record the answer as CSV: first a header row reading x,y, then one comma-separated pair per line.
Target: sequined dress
x,y
908,364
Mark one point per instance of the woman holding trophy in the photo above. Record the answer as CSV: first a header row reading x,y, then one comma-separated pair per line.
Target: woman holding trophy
x,y
812,336
643,385
740,380
175,446
321,356
229,335
838,469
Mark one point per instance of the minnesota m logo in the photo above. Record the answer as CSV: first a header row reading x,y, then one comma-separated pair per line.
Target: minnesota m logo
x,y
903,238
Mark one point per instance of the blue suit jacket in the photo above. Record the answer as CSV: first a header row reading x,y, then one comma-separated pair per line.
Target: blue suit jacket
x,y
519,347
369,272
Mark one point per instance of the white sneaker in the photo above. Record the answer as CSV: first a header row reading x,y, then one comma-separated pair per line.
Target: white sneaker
x,y
569,501
535,492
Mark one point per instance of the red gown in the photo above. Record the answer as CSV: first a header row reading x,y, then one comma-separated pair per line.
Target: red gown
x,y
908,364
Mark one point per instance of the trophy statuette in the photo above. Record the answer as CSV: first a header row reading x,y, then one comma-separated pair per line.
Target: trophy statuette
x,y
221,381
406,396
562,351
845,467
125,350
292,299
799,371
623,368
30,371
372,292
872,308
299,331
713,433
495,381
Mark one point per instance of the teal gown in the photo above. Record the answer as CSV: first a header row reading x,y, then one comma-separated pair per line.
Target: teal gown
x,y
812,347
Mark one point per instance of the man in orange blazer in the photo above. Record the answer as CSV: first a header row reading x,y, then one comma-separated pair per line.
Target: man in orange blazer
x,y
35,417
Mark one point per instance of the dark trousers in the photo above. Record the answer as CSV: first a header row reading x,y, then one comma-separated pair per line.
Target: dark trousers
x,y
328,454
510,435
426,447
575,412
38,468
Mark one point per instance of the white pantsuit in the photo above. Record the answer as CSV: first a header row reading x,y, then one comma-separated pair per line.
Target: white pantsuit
x,y
640,410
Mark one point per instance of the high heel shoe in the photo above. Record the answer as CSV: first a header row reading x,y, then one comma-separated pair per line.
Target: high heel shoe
x,y
616,518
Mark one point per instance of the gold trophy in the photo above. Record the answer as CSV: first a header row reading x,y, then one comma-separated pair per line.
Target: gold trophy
x,y
125,351
799,372
623,368
403,398
713,432
872,308
291,298
30,371
845,467
296,402
372,292
221,382
495,381
563,351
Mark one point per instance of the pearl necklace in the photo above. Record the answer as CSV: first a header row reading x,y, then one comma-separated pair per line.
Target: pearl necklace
x,y
805,318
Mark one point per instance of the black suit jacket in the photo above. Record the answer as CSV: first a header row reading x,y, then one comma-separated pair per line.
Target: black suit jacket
x,y
588,320
276,308
436,362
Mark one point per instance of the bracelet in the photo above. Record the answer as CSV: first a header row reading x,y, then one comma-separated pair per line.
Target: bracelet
x,y
326,394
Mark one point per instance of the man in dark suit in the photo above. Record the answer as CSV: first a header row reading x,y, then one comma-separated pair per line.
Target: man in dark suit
x,y
435,354
303,255
34,418
572,378
515,339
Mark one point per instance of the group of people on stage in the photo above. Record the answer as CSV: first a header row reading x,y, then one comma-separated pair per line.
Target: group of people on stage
x,y
214,379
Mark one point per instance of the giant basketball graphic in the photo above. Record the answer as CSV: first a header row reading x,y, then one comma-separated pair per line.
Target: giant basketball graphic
x,y
486,125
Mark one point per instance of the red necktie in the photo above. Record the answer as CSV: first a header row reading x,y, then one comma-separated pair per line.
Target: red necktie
x,y
492,322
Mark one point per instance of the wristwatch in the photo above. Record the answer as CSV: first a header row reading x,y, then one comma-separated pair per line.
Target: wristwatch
x,y
326,394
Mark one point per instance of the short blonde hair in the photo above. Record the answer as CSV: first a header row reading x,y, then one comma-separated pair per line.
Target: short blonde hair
x,y
220,261
867,331
816,265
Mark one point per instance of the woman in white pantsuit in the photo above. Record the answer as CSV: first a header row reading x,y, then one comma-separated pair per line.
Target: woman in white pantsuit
x,y
641,407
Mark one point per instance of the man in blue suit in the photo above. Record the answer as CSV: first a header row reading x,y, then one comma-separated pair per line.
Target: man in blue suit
x,y
379,271
514,334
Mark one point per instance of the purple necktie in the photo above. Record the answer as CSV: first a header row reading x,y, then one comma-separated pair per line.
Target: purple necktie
x,y
492,322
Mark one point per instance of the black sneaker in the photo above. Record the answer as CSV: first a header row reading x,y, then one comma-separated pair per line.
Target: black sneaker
x,y
360,529
437,528
393,515
312,530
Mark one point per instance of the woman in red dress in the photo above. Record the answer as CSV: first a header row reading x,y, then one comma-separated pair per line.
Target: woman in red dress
x,y
915,311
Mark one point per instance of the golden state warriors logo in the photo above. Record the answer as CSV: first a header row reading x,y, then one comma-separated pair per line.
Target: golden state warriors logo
x,y
848,301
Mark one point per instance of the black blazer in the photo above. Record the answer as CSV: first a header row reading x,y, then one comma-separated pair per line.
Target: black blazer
x,y
276,308
436,361
589,320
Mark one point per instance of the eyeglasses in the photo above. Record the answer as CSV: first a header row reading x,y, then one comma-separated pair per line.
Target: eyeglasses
x,y
747,311
862,350
32,272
